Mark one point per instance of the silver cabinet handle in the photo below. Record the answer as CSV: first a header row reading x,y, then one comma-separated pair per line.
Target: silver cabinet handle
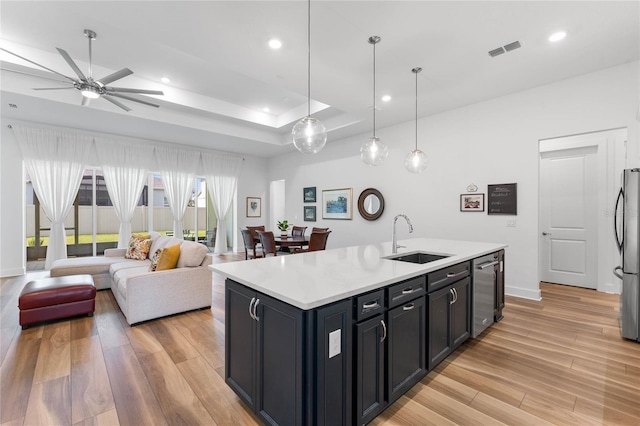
x,y
253,300
453,274
370,305
546,233
255,310
408,290
454,295
408,307
618,274
384,331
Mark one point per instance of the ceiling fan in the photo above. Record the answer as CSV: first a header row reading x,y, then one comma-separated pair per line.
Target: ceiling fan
x,y
89,87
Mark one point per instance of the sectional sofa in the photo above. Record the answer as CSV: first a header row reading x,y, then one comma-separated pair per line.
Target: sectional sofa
x,y
143,294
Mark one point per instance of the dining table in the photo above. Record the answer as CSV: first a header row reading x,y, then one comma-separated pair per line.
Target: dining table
x,y
291,241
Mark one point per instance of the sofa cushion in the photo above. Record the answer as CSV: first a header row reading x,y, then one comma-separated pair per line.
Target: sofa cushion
x,y
155,257
162,242
120,278
191,254
168,258
138,248
128,264
93,265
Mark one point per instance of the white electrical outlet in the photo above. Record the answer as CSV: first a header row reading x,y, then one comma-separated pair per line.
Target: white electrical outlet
x,y
335,346
511,223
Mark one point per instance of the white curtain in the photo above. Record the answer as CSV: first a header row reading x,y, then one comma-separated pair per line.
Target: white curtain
x,y
55,161
178,168
125,168
222,172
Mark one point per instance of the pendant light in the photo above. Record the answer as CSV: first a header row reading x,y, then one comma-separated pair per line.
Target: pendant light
x,y
416,160
374,152
309,134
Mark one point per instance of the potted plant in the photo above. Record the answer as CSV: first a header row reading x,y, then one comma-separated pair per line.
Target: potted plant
x,y
283,226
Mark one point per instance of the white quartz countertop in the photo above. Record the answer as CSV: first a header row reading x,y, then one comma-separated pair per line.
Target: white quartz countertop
x,y
311,280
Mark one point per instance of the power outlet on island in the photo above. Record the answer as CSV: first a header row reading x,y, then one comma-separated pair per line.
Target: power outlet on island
x,y
511,223
335,343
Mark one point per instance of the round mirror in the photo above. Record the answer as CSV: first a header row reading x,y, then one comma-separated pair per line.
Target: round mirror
x,y
370,204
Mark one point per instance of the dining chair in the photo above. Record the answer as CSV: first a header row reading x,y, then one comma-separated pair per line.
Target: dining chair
x,y
250,250
268,243
314,229
298,231
317,242
254,232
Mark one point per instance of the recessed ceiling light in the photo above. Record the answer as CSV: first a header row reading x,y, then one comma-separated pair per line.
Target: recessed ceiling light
x,y
274,43
386,98
266,109
557,36
165,80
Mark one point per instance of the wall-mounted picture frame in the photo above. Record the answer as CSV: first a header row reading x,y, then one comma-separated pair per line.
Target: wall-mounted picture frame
x,y
337,203
309,194
254,207
309,213
502,199
471,202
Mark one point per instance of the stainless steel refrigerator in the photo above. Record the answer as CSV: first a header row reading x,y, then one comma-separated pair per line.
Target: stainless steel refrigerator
x,y
627,229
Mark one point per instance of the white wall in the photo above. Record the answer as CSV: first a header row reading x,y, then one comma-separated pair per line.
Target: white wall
x,y
490,142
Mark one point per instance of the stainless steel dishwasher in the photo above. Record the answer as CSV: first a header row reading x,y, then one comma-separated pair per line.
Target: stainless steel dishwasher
x,y
484,289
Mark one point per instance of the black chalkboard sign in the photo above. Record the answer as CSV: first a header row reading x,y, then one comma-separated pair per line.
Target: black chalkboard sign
x,y
503,199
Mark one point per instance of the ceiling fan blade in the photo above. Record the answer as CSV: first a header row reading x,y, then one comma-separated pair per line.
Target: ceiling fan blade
x,y
35,63
129,98
85,101
140,91
115,76
113,101
72,64
53,88
36,75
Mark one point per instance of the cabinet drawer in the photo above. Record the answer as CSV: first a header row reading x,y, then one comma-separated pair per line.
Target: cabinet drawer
x,y
406,290
369,304
446,276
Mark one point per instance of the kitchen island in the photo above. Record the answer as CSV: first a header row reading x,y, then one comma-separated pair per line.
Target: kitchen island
x,y
335,336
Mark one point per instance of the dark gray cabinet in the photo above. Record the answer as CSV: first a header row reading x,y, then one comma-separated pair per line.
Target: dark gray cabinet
x,y
264,357
449,318
369,365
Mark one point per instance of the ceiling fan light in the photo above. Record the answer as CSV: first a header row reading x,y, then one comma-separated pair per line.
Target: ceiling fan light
x,y
90,92
373,152
309,135
415,161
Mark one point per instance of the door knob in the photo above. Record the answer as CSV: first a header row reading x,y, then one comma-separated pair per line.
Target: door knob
x,y
546,233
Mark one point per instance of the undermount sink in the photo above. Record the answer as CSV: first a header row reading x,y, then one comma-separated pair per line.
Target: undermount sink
x,y
420,257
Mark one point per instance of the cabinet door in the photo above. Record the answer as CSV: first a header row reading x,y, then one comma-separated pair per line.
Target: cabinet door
x,y
406,344
438,326
369,364
240,338
499,298
280,333
460,309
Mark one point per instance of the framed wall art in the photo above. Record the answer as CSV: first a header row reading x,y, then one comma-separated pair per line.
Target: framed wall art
x,y
254,206
471,202
337,203
309,213
503,199
309,194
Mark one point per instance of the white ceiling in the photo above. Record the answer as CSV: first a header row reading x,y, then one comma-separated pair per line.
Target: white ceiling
x,y
222,72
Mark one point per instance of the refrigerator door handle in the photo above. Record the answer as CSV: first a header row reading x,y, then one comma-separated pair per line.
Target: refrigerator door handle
x,y
616,273
619,241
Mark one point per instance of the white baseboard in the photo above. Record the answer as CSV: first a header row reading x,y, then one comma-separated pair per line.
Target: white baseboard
x,y
524,293
614,288
5,273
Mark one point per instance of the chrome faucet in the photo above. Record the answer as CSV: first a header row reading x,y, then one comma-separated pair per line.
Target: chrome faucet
x,y
394,238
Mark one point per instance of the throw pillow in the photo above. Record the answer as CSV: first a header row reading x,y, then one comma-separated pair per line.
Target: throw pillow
x,y
168,258
138,248
154,260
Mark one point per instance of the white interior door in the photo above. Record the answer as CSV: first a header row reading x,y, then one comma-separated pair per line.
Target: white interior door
x,y
568,216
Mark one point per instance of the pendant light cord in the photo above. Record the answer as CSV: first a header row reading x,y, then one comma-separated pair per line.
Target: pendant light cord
x,y
416,111
309,58
374,90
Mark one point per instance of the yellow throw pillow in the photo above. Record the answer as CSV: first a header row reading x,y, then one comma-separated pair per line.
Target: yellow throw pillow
x,y
138,248
168,258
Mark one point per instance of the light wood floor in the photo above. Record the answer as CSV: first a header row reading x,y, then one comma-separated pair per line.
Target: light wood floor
x,y
560,361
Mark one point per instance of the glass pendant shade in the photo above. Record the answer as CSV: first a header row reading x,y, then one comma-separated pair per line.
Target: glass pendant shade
x,y
373,152
415,161
309,135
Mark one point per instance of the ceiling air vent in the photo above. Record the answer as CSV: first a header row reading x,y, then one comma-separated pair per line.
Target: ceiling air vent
x,y
512,46
506,48
495,52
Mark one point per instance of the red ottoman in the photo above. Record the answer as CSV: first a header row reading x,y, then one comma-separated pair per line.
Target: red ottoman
x,y
57,297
